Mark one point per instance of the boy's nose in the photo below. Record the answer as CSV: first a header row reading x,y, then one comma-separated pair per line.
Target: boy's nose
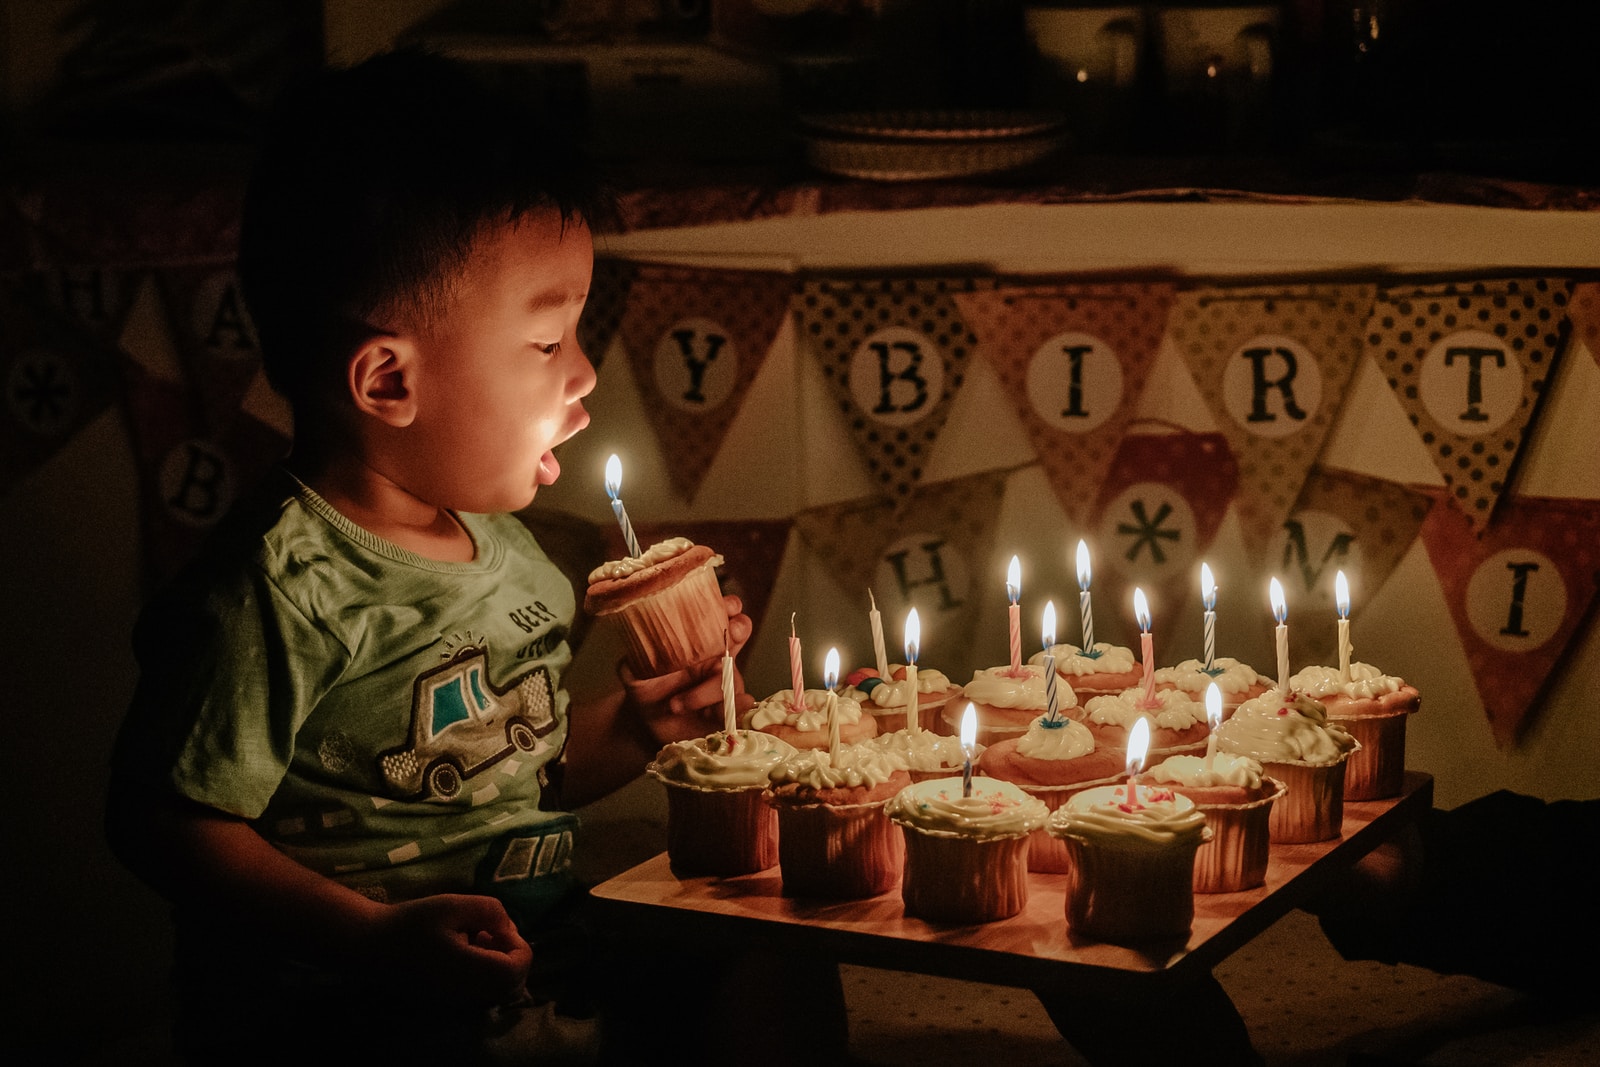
x,y
583,378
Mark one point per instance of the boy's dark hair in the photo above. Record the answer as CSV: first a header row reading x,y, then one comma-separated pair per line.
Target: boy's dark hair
x,y
372,183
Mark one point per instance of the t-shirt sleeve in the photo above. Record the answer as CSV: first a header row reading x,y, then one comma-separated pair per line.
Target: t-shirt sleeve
x,y
227,676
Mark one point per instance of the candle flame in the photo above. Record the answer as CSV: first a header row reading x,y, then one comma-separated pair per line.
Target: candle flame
x,y
1014,579
1213,706
613,477
1138,745
913,636
830,669
1208,587
1141,610
1280,610
1049,624
1083,566
1341,594
969,728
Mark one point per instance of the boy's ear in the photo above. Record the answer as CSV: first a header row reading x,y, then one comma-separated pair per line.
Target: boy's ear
x,y
379,380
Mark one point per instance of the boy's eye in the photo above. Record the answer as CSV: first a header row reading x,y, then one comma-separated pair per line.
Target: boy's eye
x,y
550,349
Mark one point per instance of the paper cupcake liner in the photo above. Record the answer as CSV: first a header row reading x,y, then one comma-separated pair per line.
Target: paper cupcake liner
x,y
1047,853
843,852
959,879
719,832
1377,769
1236,856
676,627
1130,895
1312,807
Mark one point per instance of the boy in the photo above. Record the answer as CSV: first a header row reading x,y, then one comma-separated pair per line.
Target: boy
x,y
339,762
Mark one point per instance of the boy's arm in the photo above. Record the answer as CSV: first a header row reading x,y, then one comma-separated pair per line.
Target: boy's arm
x,y
463,946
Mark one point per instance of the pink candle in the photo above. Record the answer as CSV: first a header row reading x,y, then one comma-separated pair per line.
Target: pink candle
x,y
796,677
1013,592
1141,612
1138,745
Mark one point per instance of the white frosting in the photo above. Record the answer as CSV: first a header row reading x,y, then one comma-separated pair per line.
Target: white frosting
x,y
1162,818
1271,728
720,762
1062,739
995,808
891,695
1108,659
659,552
776,709
1366,681
1175,709
857,765
924,750
1230,675
1226,769
998,688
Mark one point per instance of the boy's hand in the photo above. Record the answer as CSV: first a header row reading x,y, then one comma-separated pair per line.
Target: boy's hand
x,y
464,947
688,703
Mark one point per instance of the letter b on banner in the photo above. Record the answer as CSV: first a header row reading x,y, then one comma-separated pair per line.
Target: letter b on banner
x,y
897,375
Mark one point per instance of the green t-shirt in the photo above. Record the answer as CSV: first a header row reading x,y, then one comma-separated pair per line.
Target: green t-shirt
x,y
385,719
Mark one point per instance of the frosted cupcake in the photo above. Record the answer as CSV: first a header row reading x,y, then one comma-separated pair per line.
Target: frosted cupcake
x,y
807,725
1373,707
668,603
1236,800
886,699
925,754
1051,761
1132,874
1006,702
1237,682
1098,671
1293,740
717,820
966,856
833,838
1177,720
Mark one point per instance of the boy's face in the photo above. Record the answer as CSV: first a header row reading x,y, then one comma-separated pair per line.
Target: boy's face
x,y
500,379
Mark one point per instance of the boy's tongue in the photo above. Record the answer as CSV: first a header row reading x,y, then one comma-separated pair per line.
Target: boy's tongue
x,y
549,469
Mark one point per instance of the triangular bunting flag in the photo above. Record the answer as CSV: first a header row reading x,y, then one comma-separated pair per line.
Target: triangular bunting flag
x,y
929,554
215,338
1159,509
696,340
1584,313
602,312
1468,362
1272,363
1518,593
1342,521
56,376
894,352
1074,359
97,298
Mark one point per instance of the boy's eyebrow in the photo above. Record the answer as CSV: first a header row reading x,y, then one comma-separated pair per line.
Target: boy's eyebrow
x,y
551,301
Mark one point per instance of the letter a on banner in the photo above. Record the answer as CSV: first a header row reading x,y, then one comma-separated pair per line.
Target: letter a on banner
x,y
1272,364
1468,362
894,352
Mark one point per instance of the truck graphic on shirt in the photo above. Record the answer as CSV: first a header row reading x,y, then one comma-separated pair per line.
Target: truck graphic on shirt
x,y
462,725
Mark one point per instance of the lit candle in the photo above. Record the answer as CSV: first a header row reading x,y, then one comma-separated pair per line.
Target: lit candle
x,y
614,491
1051,714
730,719
1208,596
1141,612
1214,720
877,637
1341,598
1138,745
1013,592
969,737
796,676
913,646
1085,612
830,678
1280,611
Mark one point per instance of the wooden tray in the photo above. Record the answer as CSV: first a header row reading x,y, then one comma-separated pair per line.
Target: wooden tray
x,y
650,901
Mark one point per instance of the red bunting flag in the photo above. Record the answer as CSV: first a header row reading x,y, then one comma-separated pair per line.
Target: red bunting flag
x,y
1469,361
1074,359
602,311
1518,593
696,340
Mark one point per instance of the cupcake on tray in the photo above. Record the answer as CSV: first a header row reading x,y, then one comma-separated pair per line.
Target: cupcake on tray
x,y
1373,707
886,698
1100,670
1292,738
1236,799
718,822
833,838
1236,681
667,602
1007,700
805,725
1177,720
924,753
